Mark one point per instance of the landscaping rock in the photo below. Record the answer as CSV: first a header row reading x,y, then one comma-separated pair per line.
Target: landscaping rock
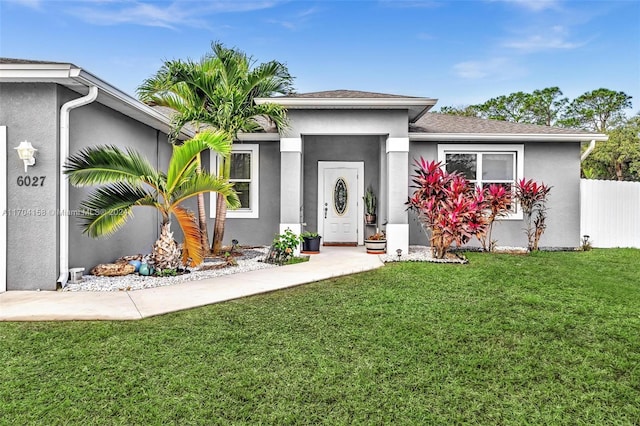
x,y
113,269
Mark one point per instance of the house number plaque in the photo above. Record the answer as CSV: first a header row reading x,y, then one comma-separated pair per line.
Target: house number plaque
x,y
30,180
340,196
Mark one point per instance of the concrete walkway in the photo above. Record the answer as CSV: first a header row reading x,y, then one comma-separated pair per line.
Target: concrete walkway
x,y
132,305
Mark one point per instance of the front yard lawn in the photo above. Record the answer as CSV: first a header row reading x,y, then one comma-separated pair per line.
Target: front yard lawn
x,y
548,338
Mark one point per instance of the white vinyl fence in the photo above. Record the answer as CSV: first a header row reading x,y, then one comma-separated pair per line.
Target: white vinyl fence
x,y
610,212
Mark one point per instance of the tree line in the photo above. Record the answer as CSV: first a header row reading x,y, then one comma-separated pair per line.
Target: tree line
x,y
601,110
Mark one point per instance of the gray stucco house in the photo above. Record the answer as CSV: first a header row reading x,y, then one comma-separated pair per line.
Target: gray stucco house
x,y
288,179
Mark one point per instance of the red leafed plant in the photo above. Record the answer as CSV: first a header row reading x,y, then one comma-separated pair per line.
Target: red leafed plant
x,y
532,197
446,204
498,203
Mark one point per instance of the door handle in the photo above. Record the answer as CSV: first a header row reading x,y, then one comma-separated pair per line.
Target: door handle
x,y
326,209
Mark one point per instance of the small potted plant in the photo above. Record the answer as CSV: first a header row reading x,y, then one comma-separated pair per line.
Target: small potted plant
x,y
376,243
370,206
310,242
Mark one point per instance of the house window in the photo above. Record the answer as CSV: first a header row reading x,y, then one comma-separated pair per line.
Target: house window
x,y
484,165
245,160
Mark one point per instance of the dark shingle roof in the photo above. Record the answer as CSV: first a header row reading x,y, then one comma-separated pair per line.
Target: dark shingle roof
x,y
344,94
28,61
443,123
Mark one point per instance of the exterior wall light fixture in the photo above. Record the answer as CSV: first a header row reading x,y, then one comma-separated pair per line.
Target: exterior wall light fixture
x,y
26,152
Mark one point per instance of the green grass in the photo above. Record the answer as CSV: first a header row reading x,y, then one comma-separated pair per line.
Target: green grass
x,y
548,338
297,259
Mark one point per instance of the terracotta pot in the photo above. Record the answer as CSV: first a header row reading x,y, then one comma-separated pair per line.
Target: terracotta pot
x,y
370,219
376,246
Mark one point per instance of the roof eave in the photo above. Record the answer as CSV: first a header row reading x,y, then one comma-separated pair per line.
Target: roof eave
x,y
509,137
416,106
258,137
77,79
133,104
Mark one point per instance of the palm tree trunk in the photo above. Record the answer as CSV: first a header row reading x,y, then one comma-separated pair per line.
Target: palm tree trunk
x,y
218,229
221,211
165,253
202,214
202,222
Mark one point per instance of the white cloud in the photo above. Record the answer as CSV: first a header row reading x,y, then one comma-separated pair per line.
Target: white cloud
x,y
411,3
425,36
554,38
160,14
297,20
535,5
31,4
494,68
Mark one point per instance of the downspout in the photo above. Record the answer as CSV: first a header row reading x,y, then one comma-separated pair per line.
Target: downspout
x,y
590,148
64,184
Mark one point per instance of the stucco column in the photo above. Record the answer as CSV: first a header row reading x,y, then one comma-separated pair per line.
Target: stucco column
x,y
397,183
290,184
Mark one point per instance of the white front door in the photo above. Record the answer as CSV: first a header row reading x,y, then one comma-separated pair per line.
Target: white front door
x,y
339,202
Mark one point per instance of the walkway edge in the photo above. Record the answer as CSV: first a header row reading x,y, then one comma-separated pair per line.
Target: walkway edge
x,y
138,304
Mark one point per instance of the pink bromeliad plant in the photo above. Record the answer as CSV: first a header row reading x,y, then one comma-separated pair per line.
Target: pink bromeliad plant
x,y
532,198
448,205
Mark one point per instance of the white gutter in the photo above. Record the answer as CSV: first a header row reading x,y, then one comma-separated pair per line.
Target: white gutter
x,y
348,102
416,106
64,184
267,137
590,148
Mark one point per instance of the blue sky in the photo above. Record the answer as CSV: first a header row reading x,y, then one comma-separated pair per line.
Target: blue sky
x,y
461,52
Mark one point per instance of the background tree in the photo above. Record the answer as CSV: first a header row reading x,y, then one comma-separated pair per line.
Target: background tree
x,y
129,180
619,157
513,107
598,110
547,106
543,107
462,111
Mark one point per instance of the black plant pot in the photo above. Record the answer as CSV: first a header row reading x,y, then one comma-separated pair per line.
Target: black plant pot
x,y
311,245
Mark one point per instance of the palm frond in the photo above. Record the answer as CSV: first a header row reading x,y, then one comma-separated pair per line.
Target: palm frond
x,y
274,112
108,164
155,85
203,183
270,78
192,253
109,207
181,164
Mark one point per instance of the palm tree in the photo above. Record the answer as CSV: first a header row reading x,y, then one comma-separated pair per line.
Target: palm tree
x,y
129,180
220,91
189,107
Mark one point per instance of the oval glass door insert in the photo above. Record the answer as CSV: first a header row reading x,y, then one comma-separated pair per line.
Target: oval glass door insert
x,y
340,196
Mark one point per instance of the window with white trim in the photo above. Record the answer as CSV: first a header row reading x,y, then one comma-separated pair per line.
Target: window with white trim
x,y
245,173
484,165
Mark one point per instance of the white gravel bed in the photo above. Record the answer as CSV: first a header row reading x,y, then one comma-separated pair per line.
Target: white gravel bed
x,y
423,254
418,254
251,262
138,282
